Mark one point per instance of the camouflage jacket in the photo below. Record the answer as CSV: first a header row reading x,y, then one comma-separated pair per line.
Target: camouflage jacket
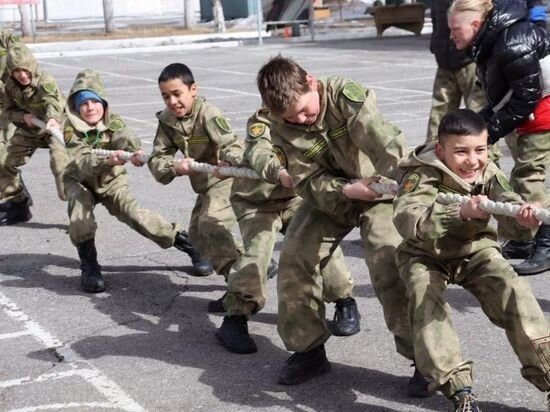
x,y
349,140
7,40
437,230
111,133
42,98
204,135
249,195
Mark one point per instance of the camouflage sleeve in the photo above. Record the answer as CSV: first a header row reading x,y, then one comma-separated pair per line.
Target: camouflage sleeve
x,y
500,190
123,137
80,153
219,131
416,213
260,153
381,141
53,99
11,112
161,162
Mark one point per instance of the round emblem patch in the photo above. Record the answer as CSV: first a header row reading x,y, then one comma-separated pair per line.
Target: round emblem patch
x,y
354,92
256,129
504,183
281,156
223,124
116,124
50,87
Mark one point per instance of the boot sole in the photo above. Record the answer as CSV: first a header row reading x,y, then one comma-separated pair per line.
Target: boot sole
x,y
531,272
232,349
323,370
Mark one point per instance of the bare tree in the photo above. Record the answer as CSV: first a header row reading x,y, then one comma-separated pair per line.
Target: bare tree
x,y
26,24
189,12
219,19
109,16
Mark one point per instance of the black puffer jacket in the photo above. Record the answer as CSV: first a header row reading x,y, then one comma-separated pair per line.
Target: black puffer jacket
x,y
441,45
507,51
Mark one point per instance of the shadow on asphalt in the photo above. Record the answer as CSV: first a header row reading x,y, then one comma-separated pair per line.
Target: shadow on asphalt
x,y
173,327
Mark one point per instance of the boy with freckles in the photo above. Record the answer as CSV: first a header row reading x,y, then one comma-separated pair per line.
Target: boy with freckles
x,y
455,243
201,133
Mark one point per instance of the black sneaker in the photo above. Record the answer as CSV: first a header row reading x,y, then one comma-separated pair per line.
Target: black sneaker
x,y
233,334
346,318
465,401
303,366
272,269
518,249
216,306
418,386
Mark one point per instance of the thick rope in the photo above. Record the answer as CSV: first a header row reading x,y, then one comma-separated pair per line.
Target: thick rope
x,y
54,132
494,208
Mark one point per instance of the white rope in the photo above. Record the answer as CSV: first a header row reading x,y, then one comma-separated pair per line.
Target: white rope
x,y
54,132
384,188
494,208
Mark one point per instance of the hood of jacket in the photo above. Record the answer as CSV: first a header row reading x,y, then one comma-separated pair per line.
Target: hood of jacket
x,y
87,80
504,14
21,57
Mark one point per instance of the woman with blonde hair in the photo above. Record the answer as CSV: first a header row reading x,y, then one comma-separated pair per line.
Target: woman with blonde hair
x,y
513,64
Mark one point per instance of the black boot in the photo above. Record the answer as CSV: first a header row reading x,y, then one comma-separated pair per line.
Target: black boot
x,y
4,206
518,249
216,306
233,334
202,266
418,385
539,261
272,269
346,318
16,212
90,280
465,400
303,366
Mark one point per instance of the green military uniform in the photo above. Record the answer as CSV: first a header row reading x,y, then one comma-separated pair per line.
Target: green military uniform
x,y
440,248
7,40
90,180
349,140
206,136
43,99
263,210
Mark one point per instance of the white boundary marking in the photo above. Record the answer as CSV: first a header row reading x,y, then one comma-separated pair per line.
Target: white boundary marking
x,y
115,395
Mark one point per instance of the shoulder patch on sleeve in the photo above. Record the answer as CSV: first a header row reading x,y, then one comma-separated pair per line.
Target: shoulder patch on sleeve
x,y
354,92
50,87
256,129
116,124
410,184
3,52
281,156
223,124
67,133
504,183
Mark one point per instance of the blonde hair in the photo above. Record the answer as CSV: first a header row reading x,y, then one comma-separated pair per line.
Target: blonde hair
x,y
482,7
281,82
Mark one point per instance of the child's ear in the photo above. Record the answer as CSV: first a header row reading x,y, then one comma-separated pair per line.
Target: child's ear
x,y
194,89
312,82
439,152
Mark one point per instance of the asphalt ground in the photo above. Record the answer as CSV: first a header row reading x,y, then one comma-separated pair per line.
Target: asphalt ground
x,y
148,342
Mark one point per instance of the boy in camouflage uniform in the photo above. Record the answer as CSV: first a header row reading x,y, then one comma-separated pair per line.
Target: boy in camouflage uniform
x,y
263,209
29,93
201,132
90,179
7,40
456,244
333,140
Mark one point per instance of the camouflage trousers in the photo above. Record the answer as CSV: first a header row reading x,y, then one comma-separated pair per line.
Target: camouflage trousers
x,y
531,154
311,239
120,203
246,288
17,152
504,297
449,89
212,220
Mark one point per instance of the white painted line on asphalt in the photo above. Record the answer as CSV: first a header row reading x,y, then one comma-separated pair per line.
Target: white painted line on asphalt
x,y
220,89
395,89
69,405
114,394
14,334
79,68
147,122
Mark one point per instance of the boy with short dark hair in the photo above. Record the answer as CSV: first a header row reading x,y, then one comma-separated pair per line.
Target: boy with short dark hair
x,y
90,179
29,93
454,243
200,131
334,142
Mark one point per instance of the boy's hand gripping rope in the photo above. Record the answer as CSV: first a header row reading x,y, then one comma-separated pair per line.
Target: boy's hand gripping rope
x,y
494,208
56,133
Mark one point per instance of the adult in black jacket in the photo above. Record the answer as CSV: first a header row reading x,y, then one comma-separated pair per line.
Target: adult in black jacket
x,y
510,53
